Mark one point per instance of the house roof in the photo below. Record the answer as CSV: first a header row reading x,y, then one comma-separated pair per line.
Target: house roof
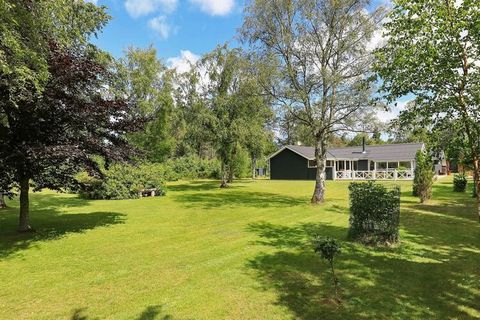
x,y
384,152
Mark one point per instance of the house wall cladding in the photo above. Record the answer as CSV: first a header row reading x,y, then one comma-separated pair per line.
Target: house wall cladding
x,y
287,165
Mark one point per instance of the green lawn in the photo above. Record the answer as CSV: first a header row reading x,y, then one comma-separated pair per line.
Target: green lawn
x,y
241,253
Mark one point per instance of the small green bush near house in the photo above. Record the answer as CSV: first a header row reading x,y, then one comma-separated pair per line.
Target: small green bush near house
x,y
460,182
374,213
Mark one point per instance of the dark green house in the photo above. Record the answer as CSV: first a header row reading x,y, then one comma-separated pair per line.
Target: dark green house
x,y
379,162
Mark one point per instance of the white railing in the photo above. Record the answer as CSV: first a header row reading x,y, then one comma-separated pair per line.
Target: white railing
x,y
374,175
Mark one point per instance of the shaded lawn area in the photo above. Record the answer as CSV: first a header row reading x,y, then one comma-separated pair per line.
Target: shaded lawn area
x,y
240,253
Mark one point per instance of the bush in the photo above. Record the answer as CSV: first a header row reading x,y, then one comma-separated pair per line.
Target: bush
x,y
374,213
191,167
423,180
460,182
328,248
122,181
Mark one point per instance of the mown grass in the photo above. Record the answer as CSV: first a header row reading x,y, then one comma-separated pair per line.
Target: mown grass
x,y
240,253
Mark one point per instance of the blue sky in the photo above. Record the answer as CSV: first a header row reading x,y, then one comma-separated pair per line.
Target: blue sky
x,y
178,29
181,30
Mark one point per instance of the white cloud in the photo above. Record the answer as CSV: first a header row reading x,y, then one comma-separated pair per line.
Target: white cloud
x,y
376,41
393,112
215,7
183,62
161,26
137,8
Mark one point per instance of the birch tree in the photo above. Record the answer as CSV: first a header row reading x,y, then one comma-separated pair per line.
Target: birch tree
x,y
321,52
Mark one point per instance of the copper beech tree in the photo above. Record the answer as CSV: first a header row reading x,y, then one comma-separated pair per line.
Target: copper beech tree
x,y
48,136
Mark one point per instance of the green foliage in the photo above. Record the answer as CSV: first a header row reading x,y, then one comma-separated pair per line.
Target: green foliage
x,y
374,213
431,53
423,180
460,182
332,37
144,79
237,108
27,27
122,181
191,167
328,248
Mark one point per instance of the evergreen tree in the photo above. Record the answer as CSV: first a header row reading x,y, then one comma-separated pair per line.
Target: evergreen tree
x,y
423,180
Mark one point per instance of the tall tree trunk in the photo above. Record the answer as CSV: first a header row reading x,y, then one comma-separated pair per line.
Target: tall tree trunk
x,y
476,183
254,167
230,173
2,201
24,221
320,155
224,183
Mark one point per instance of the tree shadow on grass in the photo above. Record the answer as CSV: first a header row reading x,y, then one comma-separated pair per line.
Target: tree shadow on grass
x,y
150,313
200,185
49,222
377,283
232,198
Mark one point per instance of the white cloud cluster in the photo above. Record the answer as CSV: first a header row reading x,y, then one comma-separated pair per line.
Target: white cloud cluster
x,y
160,25
161,8
183,62
215,7
138,8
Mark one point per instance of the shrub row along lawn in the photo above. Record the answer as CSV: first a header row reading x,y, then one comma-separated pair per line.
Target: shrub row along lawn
x,y
237,253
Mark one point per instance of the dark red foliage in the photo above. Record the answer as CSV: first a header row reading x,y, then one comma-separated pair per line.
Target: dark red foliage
x,y
49,136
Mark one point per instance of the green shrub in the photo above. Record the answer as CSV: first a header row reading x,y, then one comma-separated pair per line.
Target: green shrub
x,y
191,167
328,248
122,181
88,186
374,213
460,182
423,180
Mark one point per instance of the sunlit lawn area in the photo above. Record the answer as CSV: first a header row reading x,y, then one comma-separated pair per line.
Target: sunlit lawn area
x,y
240,253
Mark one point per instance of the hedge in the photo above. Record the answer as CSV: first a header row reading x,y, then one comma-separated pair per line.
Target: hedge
x,y
374,213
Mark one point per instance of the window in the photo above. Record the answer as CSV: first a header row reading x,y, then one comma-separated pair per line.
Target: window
x,y
355,165
329,163
405,165
381,166
392,165
312,163
340,165
372,165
